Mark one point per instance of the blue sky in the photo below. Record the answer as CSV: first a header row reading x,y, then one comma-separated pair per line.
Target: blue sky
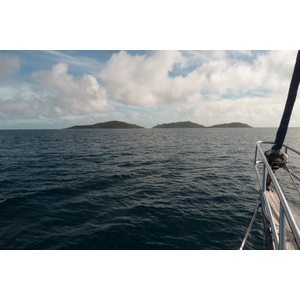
x,y
58,89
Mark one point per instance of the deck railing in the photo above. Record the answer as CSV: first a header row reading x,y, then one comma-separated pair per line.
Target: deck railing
x,y
285,211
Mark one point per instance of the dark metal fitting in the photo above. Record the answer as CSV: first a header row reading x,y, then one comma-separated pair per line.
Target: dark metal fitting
x,y
276,158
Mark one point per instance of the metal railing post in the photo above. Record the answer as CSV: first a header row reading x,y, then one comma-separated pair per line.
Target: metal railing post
x,y
285,211
255,156
282,228
264,178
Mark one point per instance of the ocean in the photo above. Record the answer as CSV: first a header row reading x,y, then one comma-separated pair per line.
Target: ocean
x,y
130,189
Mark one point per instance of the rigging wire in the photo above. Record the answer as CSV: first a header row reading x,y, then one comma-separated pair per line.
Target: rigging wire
x,y
250,227
289,171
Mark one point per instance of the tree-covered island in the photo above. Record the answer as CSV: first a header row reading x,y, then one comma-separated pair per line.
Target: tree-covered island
x,y
186,124
108,125
231,125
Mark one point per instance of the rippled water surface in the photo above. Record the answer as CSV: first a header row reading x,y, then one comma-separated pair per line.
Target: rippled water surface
x,y
130,189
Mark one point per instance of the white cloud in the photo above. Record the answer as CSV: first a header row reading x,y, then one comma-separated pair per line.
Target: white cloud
x,y
228,86
77,97
251,110
145,81
9,64
140,80
207,87
58,95
31,108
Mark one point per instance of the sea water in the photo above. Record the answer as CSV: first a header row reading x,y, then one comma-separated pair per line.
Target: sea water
x,y
130,189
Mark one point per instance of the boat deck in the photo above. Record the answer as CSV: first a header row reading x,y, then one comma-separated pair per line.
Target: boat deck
x,y
274,202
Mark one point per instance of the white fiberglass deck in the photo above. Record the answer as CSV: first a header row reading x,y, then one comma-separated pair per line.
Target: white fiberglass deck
x,y
290,242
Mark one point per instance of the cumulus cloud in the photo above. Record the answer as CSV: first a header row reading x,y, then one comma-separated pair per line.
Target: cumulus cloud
x,y
9,64
31,108
252,110
145,80
246,92
140,80
203,86
235,85
84,95
58,95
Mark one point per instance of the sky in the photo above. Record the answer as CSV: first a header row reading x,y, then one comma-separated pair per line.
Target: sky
x,y
56,89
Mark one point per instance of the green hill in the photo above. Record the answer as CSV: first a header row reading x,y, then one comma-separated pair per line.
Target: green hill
x,y
107,125
231,125
186,124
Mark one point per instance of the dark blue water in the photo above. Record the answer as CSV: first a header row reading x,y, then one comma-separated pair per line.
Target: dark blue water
x,y
129,189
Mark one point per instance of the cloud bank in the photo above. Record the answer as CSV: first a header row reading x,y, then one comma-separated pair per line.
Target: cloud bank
x,y
226,85
58,94
141,80
202,86
73,96
145,81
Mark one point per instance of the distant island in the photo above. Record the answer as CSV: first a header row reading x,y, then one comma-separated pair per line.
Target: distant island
x,y
231,125
107,125
186,124
189,124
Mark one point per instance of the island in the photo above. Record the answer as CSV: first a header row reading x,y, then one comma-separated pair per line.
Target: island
x,y
231,125
186,124
108,125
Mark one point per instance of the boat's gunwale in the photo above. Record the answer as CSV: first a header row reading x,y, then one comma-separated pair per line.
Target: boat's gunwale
x,y
279,240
